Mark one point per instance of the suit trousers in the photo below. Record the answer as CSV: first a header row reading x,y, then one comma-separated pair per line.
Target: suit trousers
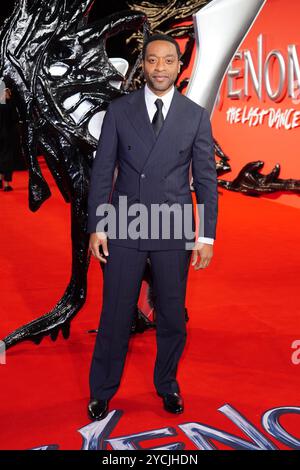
x,y
122,277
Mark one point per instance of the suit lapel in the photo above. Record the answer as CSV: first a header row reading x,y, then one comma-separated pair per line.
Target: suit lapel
x,y
138,115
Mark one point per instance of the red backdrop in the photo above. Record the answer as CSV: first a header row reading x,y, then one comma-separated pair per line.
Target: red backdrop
x,y
278,23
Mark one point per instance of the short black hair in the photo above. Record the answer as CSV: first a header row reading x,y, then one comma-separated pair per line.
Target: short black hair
x,y
160,37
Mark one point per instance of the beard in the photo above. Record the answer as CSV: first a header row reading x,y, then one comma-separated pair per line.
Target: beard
x,y
160,86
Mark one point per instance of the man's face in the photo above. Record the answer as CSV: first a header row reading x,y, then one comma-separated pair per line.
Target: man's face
x,y
161,66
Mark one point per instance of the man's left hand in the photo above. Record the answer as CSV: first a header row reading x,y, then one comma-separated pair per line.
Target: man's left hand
x,y
202,255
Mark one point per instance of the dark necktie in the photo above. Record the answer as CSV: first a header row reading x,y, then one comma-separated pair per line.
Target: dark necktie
x,y
158,118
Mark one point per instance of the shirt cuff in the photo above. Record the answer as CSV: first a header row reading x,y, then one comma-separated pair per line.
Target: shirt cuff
x,y
209,241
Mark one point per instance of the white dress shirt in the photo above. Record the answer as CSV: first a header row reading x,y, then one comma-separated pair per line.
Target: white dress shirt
x,y
150,98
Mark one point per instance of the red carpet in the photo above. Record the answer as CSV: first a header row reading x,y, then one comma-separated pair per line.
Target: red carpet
x,y
244,316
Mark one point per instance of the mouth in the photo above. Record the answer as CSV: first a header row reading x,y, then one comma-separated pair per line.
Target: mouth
x,y
160,78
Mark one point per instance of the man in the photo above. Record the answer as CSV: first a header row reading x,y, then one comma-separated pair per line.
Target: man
x,y
153,134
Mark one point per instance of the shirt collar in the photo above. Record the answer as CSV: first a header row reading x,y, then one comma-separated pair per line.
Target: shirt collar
x,y
150,96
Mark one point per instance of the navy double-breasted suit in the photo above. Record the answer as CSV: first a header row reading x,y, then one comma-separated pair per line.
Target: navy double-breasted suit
x,y
155,170
150,171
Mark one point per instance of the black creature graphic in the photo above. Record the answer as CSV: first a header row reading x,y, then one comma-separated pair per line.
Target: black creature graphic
x,y
41,35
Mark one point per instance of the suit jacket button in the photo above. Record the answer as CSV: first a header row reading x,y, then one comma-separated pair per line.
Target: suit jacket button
x,y
143,175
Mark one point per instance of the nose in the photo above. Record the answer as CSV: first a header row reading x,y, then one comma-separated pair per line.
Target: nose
x,y
160,64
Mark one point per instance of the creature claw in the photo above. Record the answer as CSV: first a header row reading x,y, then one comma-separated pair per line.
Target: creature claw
x,y
49,324
66,330
54,334
36,339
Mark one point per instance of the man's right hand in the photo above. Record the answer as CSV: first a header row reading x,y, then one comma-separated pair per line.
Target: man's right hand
x,y
98,239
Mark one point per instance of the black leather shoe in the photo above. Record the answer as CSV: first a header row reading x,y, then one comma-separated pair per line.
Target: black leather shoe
x,y
97,409
173,402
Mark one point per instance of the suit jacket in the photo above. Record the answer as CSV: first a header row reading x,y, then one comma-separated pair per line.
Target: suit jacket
x,y
154,170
